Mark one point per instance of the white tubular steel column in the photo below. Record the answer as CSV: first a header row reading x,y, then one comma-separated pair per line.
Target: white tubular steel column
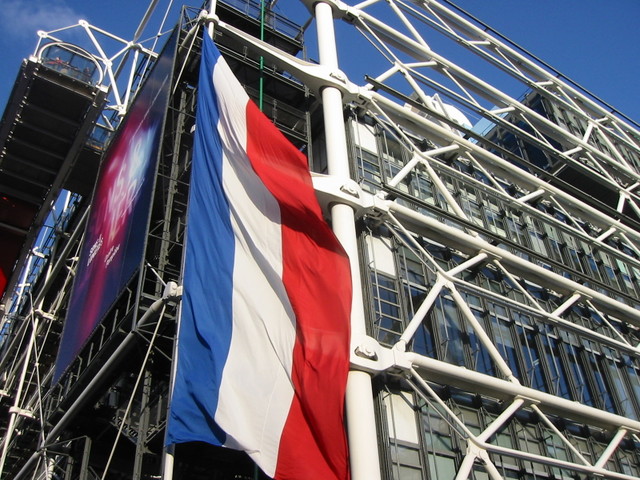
x,y
363,444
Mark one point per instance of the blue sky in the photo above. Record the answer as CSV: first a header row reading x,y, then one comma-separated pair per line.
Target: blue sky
x,y
595,43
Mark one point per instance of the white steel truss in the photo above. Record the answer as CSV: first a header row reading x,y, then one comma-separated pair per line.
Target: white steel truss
x,y
407,102
409,53
121,61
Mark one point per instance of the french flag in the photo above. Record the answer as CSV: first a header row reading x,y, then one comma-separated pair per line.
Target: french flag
x,y
263,343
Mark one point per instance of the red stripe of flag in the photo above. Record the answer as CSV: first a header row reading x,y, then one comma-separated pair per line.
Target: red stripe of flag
x,y
313,444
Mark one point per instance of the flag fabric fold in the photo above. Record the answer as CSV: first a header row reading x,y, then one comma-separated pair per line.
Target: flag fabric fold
x,y
264,330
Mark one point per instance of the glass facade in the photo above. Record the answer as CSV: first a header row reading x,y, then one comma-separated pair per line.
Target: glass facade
x,y
567,348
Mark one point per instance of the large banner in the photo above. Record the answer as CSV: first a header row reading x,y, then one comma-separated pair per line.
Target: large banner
x,y
114,240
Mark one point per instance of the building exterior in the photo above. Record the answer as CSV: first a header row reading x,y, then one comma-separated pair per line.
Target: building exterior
x,y
494,240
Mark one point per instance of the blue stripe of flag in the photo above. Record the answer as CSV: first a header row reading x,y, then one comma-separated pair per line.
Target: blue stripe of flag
x,y
208,273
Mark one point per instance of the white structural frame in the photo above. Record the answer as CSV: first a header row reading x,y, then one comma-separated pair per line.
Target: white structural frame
x,y
113,64
347,202
361,427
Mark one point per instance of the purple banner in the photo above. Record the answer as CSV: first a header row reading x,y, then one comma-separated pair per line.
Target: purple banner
x,y
114,240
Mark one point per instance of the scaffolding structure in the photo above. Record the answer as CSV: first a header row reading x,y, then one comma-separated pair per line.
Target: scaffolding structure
x,y
494,240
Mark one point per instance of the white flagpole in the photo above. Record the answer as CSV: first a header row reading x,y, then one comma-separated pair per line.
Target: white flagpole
x,y
168,450
212,11
168,456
